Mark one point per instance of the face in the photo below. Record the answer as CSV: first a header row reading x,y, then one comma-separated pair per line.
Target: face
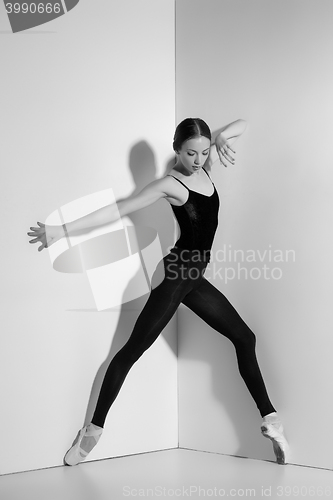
x,y
193,154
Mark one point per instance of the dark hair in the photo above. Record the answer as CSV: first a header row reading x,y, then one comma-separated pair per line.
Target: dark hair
x,y
189,128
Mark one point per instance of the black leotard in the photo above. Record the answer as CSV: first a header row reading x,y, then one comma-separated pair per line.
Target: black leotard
x,y
197,219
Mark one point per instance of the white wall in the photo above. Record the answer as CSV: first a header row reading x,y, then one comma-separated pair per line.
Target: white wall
x,y
268,62
81,111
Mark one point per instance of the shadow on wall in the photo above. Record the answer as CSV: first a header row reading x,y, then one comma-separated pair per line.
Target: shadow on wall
x,y
159,216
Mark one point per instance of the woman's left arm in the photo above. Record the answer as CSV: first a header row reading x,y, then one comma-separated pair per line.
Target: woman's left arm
x,y
221,141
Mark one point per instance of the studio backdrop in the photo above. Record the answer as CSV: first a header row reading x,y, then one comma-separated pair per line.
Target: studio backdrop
x,y
89,102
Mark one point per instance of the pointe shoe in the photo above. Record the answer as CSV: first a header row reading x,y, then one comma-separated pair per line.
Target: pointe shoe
x,y
77,454
273,430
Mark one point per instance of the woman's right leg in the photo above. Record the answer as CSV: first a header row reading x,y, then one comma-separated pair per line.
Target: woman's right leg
x,y
161,305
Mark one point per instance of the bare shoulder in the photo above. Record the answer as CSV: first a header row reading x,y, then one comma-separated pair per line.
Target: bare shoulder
x,y
168,183
163,187
175,173
157,185
152,192
208,167
174,191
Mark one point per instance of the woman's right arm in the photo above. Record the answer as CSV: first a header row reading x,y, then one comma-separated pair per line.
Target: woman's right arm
x,y
111,213
148,195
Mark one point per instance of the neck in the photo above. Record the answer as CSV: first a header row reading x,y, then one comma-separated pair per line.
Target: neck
x,y
180,167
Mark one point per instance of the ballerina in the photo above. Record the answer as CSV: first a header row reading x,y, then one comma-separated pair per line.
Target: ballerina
x,y
195,203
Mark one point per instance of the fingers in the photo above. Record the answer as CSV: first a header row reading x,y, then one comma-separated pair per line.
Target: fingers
x,y
227,154
227,145
36,237
41,227
37,232
229,157
221,160
223,154
39,236
44,245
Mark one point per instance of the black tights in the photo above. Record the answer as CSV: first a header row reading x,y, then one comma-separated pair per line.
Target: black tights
x,y
184,282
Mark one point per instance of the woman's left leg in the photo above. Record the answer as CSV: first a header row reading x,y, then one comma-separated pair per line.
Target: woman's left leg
x,y
215,309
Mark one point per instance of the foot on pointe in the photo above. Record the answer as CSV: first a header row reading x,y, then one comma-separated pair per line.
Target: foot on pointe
x,y
272,429
87,439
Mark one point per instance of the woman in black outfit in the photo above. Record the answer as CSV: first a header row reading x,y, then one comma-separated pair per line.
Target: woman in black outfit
x,y
195,203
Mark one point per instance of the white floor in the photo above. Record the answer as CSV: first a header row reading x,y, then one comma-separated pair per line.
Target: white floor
x,y
178,473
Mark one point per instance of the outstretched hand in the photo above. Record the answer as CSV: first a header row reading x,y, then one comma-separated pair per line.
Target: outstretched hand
x,y
47,235
223,150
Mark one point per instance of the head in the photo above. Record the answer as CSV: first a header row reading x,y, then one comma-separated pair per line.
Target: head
x,y
191,143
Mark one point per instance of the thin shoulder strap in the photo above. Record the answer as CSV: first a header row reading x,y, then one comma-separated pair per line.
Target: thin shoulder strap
x,y
203,168
178,181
